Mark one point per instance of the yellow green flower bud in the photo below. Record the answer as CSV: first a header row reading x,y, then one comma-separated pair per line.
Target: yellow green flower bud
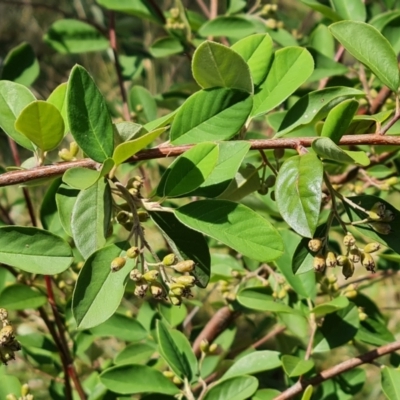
x,y
332,278
319,263
354,255
151,276
271,23
348,269
213,348
381,227
372,247
143,216
65,155
315,245
184,266
124,217
11,396
377,211
349,240
168,374
362,316
176,289
177,381
135,275
204,346
340,260
117,264
331,259
157,290
73,148
186,280
368,262
393,180
282,293
175,300
351,294
24,389
169,259
132,252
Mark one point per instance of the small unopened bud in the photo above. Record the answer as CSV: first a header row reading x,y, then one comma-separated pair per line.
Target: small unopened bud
x,y
175,300
330,259
349,240
372,247
230,297
271,23
213,348
151,276
204,346
143,216
73,148
176,289
117,264
186,280
184,266
332,279
24,389
315,245
388,217
3,314
65,155
157,290
381,227
282,294
340,260
168,374
135,275
319,263
377,211
354,255
351,294
141,288
348,269
11,396
177,381
169,259
124,217
368,262
132,252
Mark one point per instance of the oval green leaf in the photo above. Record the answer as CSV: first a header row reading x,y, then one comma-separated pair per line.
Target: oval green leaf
x,y
142,103
73,36
99,291
42,124
378,56
235,225
34,250
65,200
189,170
390,382
131,379
215,65
331,306
88,116
165,47
14,97
230,26
212,114
354,10
323,9
298,192
257,51
21,297
238,388
58,97
295,366
135,353
339,119
91,217
290,68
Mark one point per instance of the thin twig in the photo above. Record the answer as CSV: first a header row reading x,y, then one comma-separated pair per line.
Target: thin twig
x,y
338,369
204,8
395,118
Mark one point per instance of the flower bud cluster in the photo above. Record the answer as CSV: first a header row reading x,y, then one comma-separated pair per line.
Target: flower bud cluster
x,y
69,154
8,344
25,395
380,217
174,21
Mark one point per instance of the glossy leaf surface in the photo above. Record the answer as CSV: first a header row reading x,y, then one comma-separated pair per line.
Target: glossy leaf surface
x,y
390,382
235,225
298,192
354,10
21,297
230,26
58,97
295,366
237,388
65,200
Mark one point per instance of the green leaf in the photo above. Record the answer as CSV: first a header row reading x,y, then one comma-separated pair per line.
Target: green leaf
x,y
58,97
127,149
120,327
367,202
142,103
337,329
21,297
231,155
353,36
91,217
331,306
88,117
339,119
138,8
9,384
290,68
176,350
354,10
172,314
374,332
295,366
182,240
235,225
325,67
327,149
257,51
260,299
238,388
315,106
65,200
73,36
99,291
13,99
83,178
308,392
232,26
34,250
189,170
257,361
42,124
131,379
390,382
266,394
212,114
21,65
298,192
324,10
322,41
127,130
135,353
215,65
166,46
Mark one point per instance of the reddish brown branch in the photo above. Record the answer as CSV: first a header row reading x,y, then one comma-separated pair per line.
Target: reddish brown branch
x,y
338,369
49,171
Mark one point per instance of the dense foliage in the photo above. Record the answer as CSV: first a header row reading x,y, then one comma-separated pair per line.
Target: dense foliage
x,y
259,260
